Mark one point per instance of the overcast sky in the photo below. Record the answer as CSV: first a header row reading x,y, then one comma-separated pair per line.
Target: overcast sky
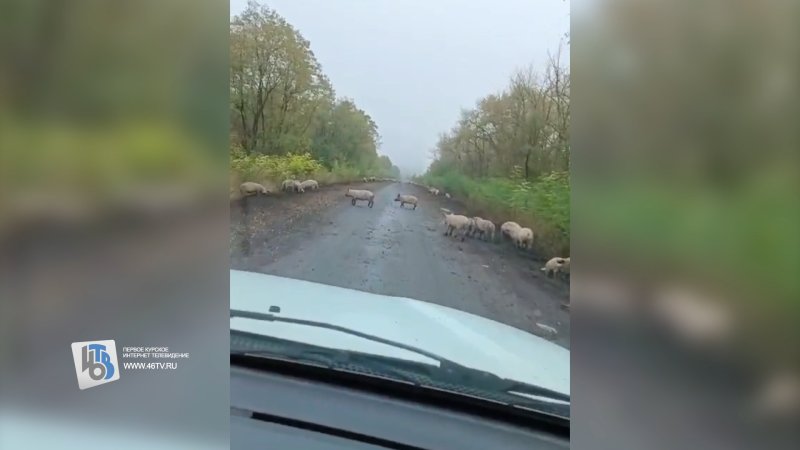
x,y
413,64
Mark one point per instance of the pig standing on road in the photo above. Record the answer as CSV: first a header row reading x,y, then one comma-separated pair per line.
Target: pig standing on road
x,y
249,188
403,199
455,223
309,184
359,194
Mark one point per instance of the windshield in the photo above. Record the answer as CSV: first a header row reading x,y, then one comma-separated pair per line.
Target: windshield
x,y
372,214
439,373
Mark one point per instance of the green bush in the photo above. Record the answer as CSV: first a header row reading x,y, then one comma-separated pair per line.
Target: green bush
x,y
257,167
271,170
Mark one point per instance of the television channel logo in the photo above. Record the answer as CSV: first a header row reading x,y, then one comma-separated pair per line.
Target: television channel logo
x,y
95,363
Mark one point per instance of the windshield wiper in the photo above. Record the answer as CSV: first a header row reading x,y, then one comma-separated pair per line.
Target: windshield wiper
x,y
274,318
449,371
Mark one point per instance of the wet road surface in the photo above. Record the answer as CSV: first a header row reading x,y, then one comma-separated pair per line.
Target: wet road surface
x,y
390,250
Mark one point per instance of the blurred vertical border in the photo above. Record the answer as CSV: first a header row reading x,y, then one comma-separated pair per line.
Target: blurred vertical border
x,y
686,327
113,213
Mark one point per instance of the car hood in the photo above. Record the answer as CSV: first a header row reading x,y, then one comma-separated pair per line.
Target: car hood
x,y
464,338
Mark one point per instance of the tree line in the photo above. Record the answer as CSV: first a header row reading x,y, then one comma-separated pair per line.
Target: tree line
x,y
522,131
509,156
282,102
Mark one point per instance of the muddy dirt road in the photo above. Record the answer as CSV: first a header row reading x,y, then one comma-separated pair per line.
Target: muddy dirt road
x,y
320,237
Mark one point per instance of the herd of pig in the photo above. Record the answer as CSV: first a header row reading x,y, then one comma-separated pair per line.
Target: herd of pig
x,y
456,225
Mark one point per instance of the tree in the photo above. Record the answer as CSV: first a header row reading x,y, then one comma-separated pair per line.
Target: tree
x,y
282,102
523,129
345,134
276,83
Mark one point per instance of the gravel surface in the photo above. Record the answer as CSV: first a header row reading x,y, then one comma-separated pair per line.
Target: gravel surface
x,y
319,236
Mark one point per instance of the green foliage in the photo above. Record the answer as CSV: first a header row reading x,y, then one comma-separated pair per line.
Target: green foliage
x,y
282,105
273,167
271,170
550,199
522,132
341,173
276,83
345,134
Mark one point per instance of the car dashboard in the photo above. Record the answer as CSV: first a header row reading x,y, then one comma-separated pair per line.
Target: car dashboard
x,y
279,410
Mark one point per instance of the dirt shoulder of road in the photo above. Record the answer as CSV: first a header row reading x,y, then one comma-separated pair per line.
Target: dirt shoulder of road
x,y
263,228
